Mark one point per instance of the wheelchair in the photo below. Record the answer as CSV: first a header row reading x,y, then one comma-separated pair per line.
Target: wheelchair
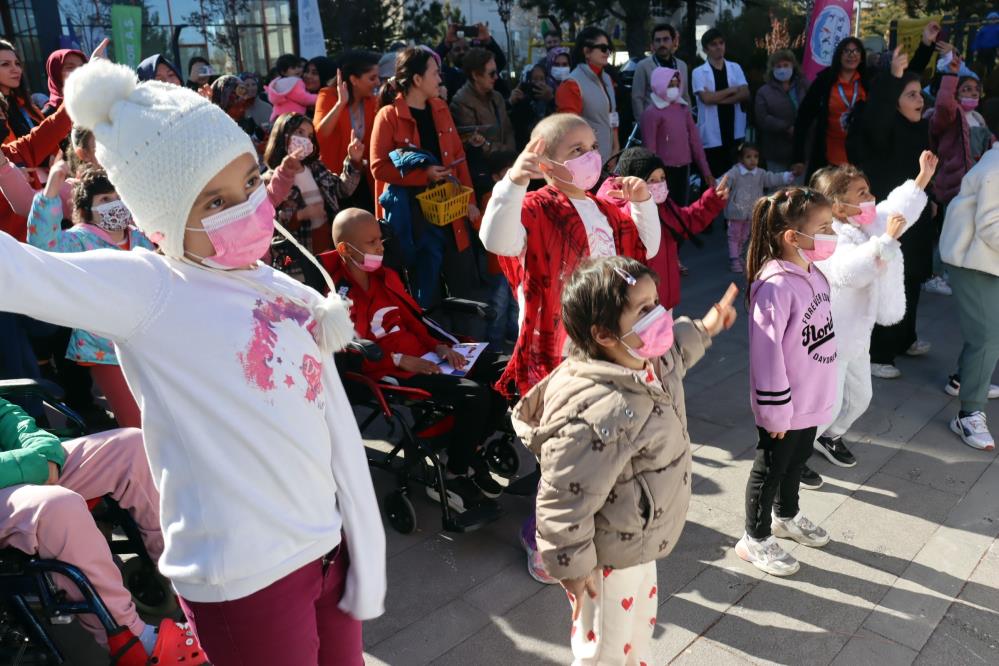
x,y
29,601
415,420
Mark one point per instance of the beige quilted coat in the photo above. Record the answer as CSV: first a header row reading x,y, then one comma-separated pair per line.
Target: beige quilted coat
x,y
615,458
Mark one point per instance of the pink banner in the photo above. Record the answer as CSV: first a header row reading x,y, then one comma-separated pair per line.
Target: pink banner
x,y
830,22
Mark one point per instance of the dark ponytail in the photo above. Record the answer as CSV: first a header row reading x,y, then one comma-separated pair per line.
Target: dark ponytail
x,y
410,63
788,208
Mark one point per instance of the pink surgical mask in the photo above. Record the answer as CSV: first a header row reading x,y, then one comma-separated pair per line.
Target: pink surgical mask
x,y
655,330
296,142
585,170
969,103
240,235
659,191
868,213
371,262
825,245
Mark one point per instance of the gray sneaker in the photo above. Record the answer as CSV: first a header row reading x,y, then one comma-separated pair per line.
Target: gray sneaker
x,y
766,555
800,529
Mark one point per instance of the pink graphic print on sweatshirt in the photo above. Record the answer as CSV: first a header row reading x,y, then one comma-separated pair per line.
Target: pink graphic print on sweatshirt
x,y
262,356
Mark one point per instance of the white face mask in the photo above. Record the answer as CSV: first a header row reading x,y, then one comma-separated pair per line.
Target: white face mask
x,y
672,94
560,73
783,74
112,216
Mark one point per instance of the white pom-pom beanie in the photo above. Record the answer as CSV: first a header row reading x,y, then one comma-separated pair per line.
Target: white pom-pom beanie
x,y
160,144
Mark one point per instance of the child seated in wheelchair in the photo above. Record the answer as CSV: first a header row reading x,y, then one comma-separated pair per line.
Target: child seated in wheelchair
x,y
44,487
382,311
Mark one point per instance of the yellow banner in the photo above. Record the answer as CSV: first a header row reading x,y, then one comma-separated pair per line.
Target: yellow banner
x,y
910,33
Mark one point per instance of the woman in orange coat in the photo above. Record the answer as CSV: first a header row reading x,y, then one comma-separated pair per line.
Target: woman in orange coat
x,y
414,117
22,113
345,111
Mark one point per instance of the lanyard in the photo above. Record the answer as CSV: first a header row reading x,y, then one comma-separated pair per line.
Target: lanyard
x,y
842,95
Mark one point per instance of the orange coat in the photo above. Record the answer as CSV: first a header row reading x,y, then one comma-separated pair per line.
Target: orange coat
x,y
395,128
32,150
32,110
333,143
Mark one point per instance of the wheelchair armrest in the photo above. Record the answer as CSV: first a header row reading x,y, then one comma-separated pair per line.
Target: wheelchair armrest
x,y
31,387
366,348
466,306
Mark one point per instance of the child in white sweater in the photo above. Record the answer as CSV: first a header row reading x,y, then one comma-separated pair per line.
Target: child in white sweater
x,y
251,441
865,275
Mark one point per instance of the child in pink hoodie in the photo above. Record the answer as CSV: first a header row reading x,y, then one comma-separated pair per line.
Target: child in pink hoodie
x,y
669,131
792,367
287,91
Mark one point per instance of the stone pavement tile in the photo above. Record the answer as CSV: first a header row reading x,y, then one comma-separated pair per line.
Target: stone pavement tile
x,y
723,483
504,590
431,635
725,401
937,458
969,632
534,633
871,452
886,522
866,647
811,613
706,652
703,432
708,538
434,573
727,443
912,407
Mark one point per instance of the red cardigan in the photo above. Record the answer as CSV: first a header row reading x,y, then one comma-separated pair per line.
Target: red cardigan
x,y
556,243
32,150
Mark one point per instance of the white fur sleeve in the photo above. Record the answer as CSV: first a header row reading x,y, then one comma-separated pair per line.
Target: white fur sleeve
x,y
646,217
906,199
856,266
502,232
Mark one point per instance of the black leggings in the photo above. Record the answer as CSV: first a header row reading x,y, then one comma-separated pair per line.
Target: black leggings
x,y
773,483
478,409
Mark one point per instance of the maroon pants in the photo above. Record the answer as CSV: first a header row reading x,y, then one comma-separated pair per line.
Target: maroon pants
x,y
293,621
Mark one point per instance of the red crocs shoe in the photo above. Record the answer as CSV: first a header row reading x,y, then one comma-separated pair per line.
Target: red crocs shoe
x,y
175,644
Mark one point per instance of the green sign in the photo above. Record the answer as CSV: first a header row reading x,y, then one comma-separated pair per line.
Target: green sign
x,y
126,34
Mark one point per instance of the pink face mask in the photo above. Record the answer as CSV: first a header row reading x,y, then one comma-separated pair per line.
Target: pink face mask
x,y
585,170
655,330
825,245
969,103
868,213
241,234
659,191
302,143
371,262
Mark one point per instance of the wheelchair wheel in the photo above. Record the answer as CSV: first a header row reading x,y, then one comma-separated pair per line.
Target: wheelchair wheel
x,y
151,592
400,512
501,457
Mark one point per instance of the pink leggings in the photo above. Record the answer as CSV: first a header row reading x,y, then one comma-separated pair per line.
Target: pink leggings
x,y
54,521
111,382
738,234
294,620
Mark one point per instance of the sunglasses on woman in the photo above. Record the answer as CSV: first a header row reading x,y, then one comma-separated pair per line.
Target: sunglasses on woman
x,y
603,47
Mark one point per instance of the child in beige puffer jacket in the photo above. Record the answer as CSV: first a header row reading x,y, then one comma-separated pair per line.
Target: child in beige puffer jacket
x,y
610,430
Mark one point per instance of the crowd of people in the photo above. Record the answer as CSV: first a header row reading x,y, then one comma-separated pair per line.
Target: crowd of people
x,y
195,251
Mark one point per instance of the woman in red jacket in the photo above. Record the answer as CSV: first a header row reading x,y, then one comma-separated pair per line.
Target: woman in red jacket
x,y
413,117
346,111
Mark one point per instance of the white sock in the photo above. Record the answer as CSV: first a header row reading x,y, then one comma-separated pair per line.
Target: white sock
x,y
148,638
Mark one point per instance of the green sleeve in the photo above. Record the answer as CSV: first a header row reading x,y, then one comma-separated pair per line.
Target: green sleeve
x,y
25,450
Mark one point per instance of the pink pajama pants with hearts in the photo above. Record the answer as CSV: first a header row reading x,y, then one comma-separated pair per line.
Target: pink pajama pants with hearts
x,y
615,628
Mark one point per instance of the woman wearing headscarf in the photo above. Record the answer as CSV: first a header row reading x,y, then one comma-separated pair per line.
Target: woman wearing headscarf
x,y
777,105
558,66
58,67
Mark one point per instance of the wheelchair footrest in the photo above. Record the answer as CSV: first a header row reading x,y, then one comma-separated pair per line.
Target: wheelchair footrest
x,y
473,519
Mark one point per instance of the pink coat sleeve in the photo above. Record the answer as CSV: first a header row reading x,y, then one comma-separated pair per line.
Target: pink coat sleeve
x,y
945,111
770,390
649,128
279,184
299,94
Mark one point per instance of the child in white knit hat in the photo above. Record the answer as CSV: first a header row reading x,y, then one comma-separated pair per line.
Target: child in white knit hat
x,y
251,441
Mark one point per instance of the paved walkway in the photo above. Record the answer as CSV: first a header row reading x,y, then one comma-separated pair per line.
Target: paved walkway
x,y
911,576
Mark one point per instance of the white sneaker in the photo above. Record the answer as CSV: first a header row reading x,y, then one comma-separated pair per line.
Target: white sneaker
x,y
973,431
918,348
937,285
953,387
800,529
766,555
885,371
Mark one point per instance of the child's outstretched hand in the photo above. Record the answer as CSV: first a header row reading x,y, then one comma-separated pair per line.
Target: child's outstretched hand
x,y
722,314
576,587
57,176
896,225
528,164
630,188
355,149
722,189
927,167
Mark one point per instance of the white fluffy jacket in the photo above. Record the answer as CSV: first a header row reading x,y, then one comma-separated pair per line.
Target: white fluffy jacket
x,y
970,236
866,272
